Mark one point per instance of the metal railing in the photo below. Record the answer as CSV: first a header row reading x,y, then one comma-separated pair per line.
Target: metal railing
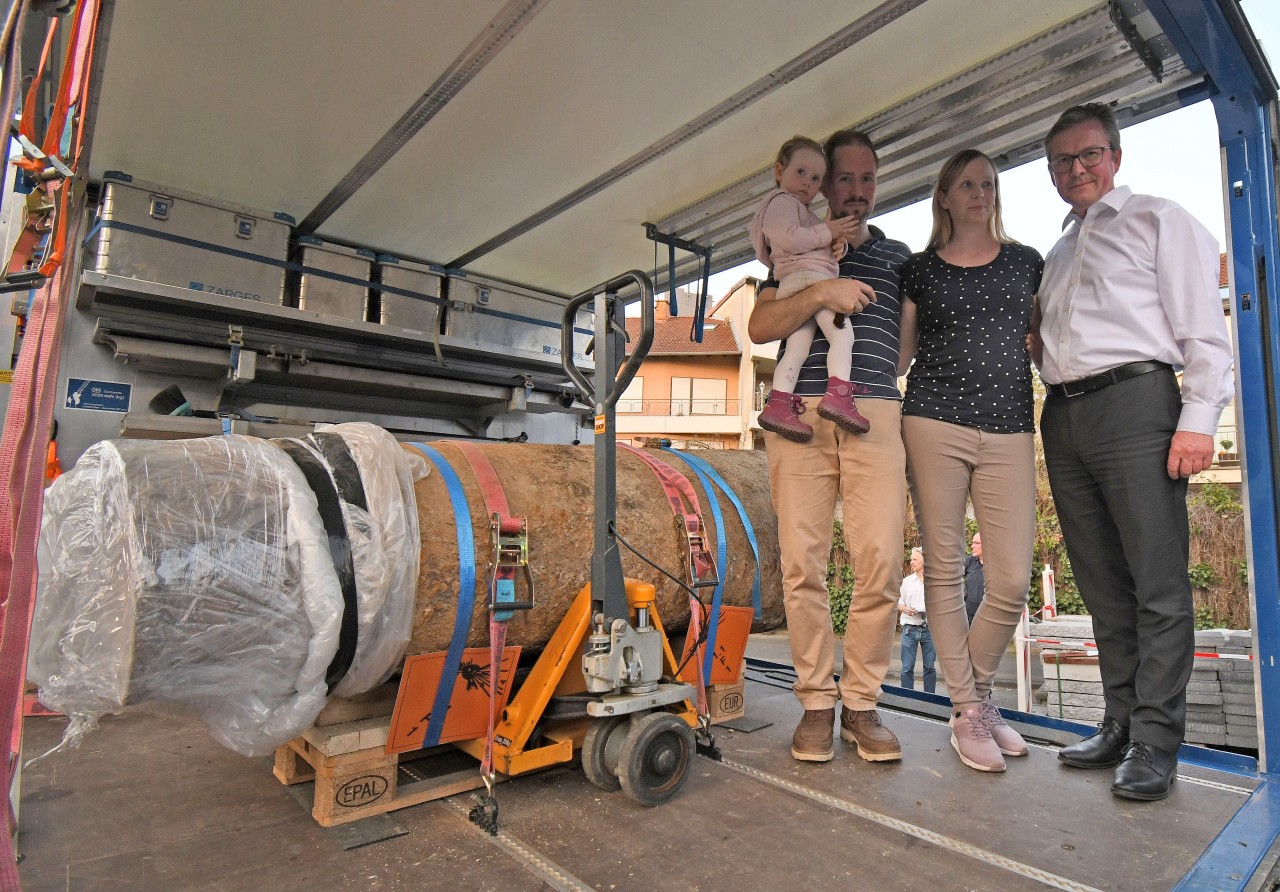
x,y
678,407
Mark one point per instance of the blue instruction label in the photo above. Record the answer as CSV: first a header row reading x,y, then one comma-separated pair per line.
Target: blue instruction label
x,y
99,396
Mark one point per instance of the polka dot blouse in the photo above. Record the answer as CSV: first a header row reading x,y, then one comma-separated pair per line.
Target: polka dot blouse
x,y
971,365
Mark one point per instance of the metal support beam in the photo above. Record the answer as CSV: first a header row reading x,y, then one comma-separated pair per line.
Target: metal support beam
x,y
1005,104
1243,105
488,43
1256,317
704,253
881,16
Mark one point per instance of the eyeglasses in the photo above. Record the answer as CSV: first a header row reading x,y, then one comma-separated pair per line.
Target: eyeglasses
x,y
1090,157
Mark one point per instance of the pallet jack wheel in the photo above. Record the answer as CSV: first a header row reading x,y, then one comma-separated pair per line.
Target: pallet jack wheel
x,y
600,749
653,763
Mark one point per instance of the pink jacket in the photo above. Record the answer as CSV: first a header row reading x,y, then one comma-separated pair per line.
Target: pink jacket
x,y
789,238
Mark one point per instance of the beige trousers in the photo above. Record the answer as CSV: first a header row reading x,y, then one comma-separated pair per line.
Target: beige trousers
x,y
868,471
950,464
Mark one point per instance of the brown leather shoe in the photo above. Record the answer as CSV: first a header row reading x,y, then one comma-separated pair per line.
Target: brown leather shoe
x,y
874,741
812,741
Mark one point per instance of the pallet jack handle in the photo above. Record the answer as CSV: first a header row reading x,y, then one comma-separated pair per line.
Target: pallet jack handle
x,y
612,387
611,377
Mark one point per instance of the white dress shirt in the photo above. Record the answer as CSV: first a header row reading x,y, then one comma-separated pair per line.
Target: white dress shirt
x,y
1137,279
911,594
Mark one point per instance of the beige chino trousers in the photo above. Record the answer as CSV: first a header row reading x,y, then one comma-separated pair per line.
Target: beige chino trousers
x,y
950,464
869,472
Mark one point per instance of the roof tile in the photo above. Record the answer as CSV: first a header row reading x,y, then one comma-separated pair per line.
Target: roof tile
x,y
674,337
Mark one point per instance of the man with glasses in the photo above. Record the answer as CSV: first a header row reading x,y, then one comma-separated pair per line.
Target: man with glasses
x,y
1129,298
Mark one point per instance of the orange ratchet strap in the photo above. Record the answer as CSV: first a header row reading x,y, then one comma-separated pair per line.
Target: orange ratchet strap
x,y
48,203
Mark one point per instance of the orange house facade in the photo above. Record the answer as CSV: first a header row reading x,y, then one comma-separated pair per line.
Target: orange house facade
x,y
698,395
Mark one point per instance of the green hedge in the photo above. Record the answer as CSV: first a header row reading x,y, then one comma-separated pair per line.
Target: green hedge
x,y
1218,571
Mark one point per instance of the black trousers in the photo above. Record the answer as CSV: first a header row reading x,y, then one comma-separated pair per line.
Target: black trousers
x,y
1125,527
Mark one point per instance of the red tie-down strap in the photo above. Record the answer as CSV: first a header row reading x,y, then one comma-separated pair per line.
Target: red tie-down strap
x,y
510,537
22,466
690,658
699,565
25,441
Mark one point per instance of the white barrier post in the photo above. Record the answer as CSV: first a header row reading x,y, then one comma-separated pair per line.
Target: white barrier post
x,y
1023,654
1048,594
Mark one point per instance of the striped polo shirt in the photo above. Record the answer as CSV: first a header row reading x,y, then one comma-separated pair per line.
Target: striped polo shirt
x,y
878,262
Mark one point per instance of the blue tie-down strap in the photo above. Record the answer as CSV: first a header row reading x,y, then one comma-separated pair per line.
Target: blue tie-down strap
x,y
466,592
722,563
757,600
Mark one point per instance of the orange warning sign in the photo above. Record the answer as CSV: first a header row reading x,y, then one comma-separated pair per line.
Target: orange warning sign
x,y
731,645
467,716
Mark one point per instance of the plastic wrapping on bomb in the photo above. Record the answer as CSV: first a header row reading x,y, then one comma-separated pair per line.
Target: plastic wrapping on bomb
x,y
385,549
199,579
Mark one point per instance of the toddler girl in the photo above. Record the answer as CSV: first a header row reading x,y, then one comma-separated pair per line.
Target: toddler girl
x,y
800,249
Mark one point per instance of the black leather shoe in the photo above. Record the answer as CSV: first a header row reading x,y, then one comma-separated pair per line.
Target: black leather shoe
x,y
1145,773
1103,750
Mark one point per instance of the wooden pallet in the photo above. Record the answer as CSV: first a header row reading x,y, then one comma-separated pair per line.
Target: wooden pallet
x,y
355,778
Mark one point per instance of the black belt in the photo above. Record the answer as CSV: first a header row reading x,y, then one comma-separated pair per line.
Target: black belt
x,y
1107,378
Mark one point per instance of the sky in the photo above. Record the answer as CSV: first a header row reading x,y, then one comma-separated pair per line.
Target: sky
x,y
1175,156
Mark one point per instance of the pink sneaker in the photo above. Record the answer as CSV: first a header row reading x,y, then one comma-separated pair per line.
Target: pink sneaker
x,y
973,742
838,406
1009,740
781,415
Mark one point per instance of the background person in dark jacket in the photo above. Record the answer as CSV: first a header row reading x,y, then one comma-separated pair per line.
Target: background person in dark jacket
x,y
974,582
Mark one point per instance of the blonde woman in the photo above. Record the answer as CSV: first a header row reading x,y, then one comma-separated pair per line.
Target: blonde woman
x,y
967,426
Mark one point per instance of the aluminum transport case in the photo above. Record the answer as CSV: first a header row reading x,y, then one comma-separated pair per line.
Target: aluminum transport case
x,y
157,234
505,318
403,311
321,294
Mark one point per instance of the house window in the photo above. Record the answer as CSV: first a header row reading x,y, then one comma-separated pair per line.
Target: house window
x,y
699,396
709,396
681,396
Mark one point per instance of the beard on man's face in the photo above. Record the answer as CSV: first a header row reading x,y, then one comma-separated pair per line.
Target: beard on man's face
x,y
852,209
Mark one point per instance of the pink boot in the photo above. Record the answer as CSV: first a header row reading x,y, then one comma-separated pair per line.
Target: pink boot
x,y
781,415
838,406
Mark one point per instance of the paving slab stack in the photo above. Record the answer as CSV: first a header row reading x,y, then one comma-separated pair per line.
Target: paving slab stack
x,y
1071,690
1221,709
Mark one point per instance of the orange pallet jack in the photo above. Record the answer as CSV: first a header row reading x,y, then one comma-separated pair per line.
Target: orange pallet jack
x,y
608,683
